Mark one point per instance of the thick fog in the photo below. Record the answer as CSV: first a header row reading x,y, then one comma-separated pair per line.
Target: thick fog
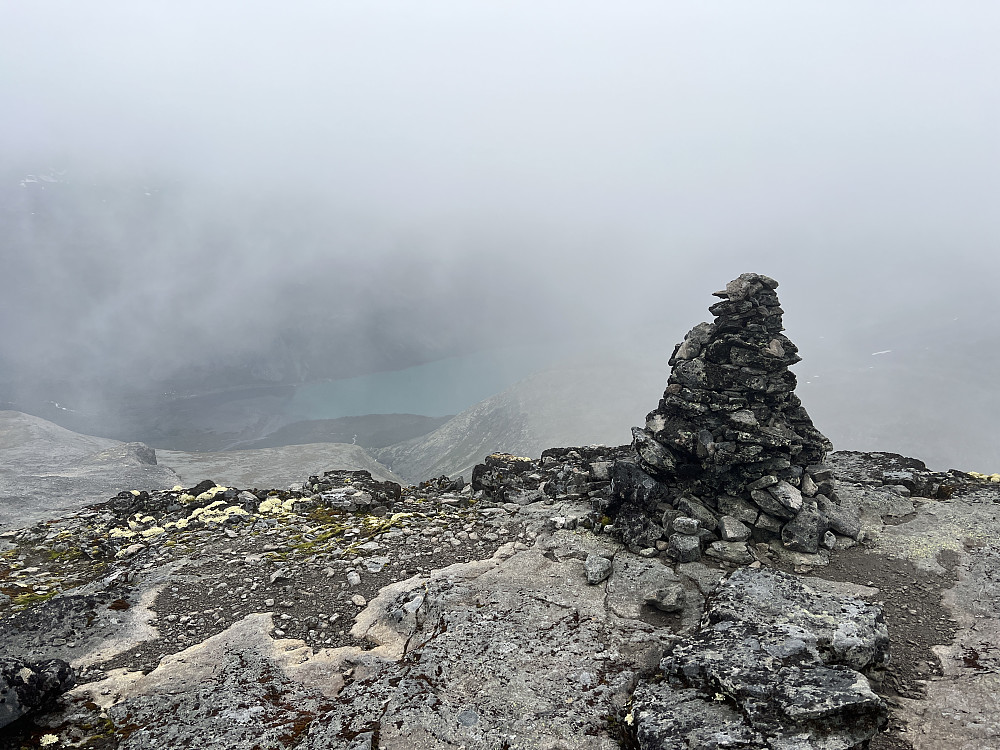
x,y
196,195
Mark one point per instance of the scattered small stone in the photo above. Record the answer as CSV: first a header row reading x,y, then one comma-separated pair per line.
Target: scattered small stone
x,y
281,574
684,547
667,599
598,568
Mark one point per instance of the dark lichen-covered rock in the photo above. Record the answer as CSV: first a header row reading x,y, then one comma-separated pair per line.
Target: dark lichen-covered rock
x,y
26,686
789,654
381,493
668,718
498,472
729,426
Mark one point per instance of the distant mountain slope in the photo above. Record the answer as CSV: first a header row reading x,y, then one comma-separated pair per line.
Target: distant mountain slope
x,y
368,431
45,469
272,467
587,403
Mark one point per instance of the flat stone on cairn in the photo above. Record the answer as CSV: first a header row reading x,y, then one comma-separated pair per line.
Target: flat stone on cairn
x,y
729,436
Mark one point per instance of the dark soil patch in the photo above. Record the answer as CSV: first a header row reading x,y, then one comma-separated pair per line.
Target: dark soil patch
x,y
911,601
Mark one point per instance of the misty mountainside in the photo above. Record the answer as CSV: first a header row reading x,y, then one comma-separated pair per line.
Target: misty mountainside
x,y
198,366
226,419
46,469
925,389
368,431
272,467
591,402
229,310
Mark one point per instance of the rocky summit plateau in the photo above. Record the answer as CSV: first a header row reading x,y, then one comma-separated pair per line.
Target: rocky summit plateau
x,y
725,581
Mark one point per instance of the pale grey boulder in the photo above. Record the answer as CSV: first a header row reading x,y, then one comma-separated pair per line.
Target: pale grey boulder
x,y
598,568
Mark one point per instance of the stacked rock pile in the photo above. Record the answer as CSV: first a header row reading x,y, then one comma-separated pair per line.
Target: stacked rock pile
x,y
730,454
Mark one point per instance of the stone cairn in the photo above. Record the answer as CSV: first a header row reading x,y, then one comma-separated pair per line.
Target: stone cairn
x,y
730,455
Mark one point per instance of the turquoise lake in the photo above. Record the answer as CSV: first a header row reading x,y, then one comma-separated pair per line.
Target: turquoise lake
x,y
447,386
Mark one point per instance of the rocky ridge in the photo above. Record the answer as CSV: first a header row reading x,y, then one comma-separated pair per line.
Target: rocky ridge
x,y
721,582
45,469
451,612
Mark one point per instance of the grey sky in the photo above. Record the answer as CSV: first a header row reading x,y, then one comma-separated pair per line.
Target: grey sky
x,y
627,157
552,111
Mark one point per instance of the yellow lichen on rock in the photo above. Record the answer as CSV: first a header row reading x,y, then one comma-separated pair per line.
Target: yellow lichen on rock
x,y
995,478
155,531
217,512
119,533
272,504
211,493
509,457
379,524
